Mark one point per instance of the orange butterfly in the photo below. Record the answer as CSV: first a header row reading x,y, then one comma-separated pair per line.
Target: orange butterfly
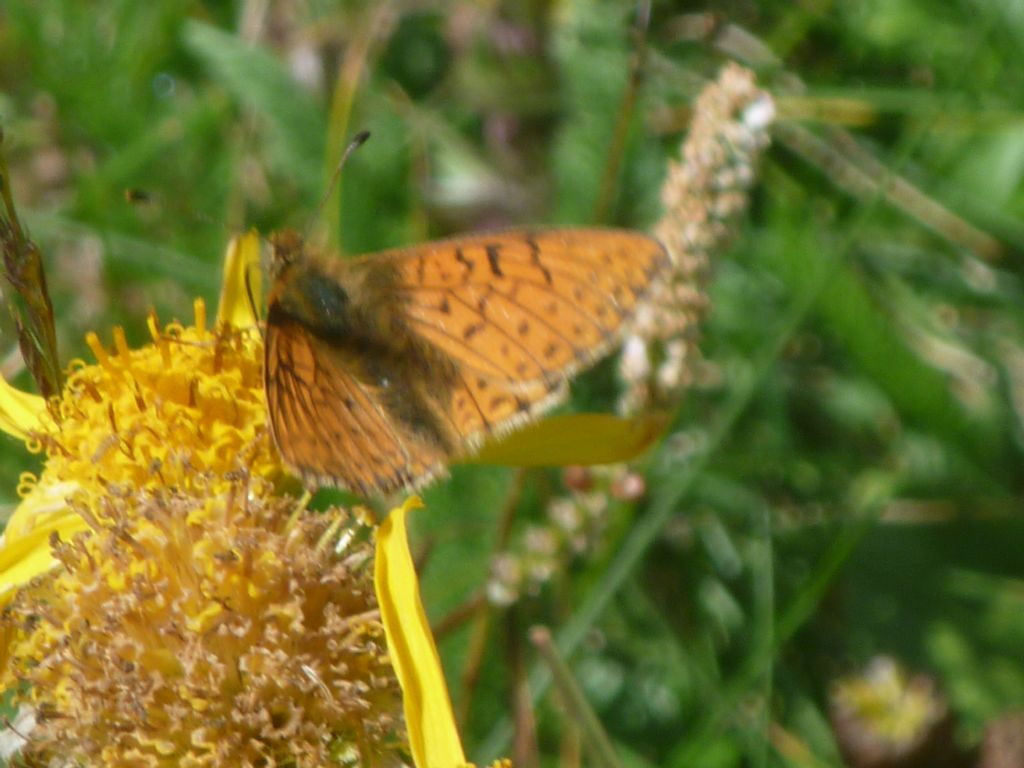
x,y
379,370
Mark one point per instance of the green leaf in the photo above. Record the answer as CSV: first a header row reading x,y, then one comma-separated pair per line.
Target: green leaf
x,y
259,80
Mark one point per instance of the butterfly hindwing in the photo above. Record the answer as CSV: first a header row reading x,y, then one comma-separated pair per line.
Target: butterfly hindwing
x,y
331,428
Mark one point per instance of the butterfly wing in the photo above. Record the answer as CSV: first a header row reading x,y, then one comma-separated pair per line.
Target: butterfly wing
x,y
380,370
520,312
330,427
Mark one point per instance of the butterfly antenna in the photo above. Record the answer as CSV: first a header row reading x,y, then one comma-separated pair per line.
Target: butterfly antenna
x,y
358,141
250,294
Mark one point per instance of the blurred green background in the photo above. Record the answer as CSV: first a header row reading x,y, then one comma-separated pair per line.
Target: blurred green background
x,y
843,481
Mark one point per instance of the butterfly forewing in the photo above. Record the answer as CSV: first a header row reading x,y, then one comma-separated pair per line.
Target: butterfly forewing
x,y
382,369
527,307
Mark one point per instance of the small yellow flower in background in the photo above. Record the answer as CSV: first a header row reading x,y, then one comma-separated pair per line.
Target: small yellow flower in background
x,y
885,716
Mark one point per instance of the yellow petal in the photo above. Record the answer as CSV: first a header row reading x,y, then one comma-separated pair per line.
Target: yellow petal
x,y
242,277
19,411
579,438
429,719
25,545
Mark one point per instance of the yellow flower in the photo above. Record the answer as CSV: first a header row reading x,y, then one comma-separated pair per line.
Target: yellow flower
x,y
429,720
183,411
206,620
889,715
217,628
203,619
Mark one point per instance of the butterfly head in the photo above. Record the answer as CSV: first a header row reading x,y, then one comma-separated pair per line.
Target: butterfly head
x,y
286,247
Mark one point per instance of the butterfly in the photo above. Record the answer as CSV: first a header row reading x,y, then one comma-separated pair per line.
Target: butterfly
x,y
380,370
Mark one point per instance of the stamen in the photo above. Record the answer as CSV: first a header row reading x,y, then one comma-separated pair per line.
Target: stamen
x,y
27,483
153,323
199,307
329,533
121,343
97,349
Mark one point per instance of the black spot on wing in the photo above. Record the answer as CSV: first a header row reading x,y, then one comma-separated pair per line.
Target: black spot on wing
x,y
466,263
494,258
536,261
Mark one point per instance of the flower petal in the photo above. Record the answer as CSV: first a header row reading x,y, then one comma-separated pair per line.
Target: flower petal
x,y
578,438
25,545
429,719
19,411
241,287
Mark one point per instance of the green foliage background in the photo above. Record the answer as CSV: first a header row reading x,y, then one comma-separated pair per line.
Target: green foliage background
x,y
846,479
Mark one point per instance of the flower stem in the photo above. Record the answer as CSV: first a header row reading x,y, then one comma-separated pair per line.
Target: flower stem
x,y
594,736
